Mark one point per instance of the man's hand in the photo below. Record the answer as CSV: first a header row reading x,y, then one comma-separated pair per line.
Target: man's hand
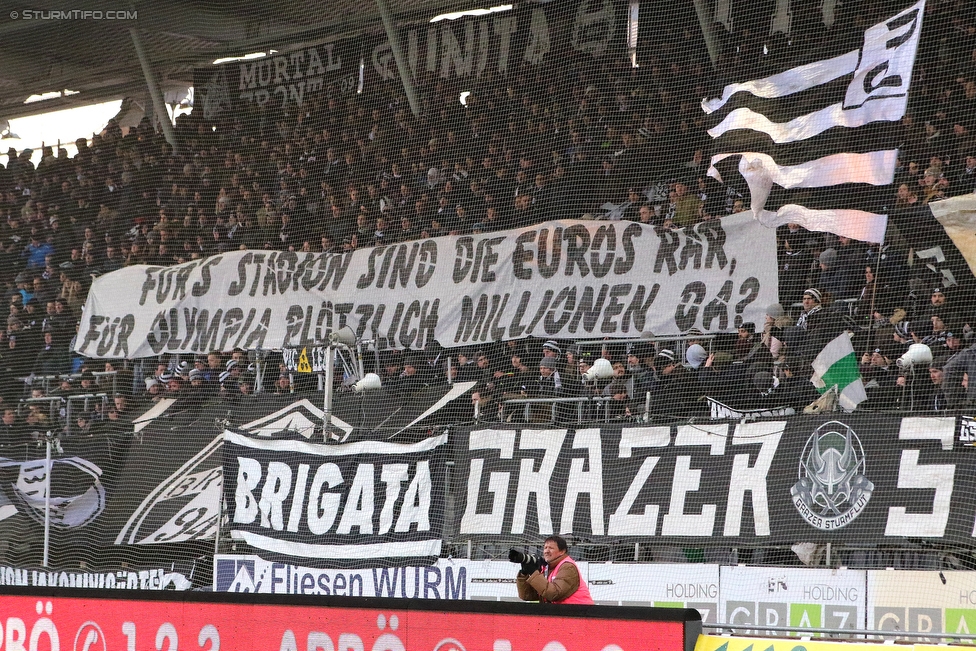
x,y
528,569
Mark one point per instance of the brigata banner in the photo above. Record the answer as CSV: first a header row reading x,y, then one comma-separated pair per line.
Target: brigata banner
x,y
557,279
867,479
81,620
313,501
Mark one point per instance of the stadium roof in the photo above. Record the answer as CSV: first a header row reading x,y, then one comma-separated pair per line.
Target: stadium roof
x,y
97,57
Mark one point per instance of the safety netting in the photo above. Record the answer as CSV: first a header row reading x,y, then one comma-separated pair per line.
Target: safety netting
x,y
689,284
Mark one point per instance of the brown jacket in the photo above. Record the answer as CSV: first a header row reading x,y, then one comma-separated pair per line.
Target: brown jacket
x,y
538,588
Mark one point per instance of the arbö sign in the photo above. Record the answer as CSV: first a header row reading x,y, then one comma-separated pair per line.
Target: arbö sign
x,y
38,619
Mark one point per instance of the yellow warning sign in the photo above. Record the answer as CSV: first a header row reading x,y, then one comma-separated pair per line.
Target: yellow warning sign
x,y
303,365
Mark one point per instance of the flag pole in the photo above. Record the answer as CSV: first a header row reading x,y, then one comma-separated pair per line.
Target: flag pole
x,y
874,294
47,498
711,43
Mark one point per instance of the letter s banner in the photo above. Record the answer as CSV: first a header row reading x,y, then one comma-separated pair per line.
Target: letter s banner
x,y
97,621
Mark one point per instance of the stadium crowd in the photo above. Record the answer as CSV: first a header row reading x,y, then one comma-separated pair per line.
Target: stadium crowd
x,y
557,141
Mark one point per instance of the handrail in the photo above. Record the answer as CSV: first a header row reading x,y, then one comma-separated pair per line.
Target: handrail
x,y
796,631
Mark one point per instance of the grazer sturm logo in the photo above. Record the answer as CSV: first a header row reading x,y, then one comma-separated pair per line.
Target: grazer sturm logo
x,y
184,507
832,488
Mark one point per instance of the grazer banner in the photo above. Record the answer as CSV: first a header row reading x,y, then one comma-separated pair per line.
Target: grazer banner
x,y
868,479
503,42
72,619
290,78
557,279
313,501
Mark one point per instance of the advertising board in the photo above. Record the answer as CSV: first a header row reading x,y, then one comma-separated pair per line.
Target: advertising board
x,y
37,619
783,596
922,602
664,585
717,643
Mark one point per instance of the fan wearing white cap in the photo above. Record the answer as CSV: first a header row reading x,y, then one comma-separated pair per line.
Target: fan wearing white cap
x,y
812,300
676,388
551,349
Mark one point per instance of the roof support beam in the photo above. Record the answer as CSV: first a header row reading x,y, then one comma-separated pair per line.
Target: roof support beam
x,y
401,61
159,106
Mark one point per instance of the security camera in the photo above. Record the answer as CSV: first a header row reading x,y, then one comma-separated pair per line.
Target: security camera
x,y
917,355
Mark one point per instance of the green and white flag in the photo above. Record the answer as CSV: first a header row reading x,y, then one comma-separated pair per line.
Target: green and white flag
x,y
836,366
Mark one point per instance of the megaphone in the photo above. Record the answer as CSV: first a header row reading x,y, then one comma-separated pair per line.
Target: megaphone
x,y
916,355
344,336
370,381
602,368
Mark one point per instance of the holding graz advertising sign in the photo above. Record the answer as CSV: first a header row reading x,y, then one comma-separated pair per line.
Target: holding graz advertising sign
x,y
556,279
869,479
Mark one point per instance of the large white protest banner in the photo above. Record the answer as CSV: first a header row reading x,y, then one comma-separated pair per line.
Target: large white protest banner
x,y
564,279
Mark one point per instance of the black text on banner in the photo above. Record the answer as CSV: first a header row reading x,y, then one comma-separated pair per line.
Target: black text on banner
x,y
557,279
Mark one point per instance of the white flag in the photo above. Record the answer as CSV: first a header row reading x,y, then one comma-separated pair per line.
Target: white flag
x,y
822,131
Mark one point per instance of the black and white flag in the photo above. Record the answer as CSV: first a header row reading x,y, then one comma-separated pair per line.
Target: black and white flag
x,y
822,125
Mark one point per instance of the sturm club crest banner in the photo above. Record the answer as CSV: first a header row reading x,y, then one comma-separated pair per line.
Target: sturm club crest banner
x,y
557,279
142,487
80,478
295,498
864,479
502,42
289,78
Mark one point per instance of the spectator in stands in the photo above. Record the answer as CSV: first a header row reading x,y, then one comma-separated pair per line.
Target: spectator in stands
x,y
795,254
619,390
686,206
676,390
836,277
51,360
11,430
927,396
815,327
880,376
409,381
132,199
745,341
283,386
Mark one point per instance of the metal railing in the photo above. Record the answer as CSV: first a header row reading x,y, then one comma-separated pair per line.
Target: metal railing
x,y
599,404
806,632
